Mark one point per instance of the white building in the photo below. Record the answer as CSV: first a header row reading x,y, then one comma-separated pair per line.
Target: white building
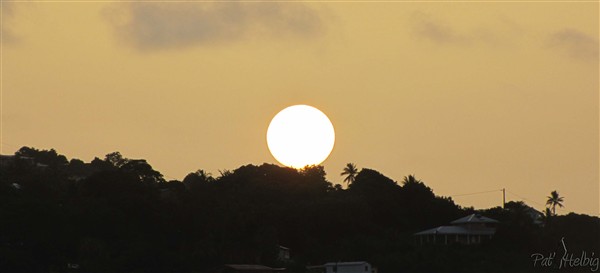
x,y
348,267
284,253
471,229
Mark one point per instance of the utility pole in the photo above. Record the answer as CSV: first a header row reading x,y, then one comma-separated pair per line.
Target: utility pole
x,y
503,198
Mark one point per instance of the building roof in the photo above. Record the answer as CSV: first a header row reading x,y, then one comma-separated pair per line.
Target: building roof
x,y
457,230
252,267
346,263
473,218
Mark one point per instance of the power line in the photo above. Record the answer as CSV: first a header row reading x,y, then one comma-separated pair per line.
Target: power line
x,y
490,191
510,192
526,199
473,193
8,144
537,203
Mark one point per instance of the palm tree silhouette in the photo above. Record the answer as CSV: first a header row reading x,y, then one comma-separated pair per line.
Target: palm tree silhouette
x,y
546,216
553,200
411,179
350,171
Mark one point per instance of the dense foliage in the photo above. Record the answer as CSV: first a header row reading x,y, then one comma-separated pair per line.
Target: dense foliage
x,y
120,215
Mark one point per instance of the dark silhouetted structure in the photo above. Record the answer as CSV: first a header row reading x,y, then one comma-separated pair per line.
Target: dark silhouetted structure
x,y
471,229
249,268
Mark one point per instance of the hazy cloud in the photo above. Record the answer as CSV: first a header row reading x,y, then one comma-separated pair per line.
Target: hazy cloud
x,y
576,44
8,36
171,25
426,28
496,32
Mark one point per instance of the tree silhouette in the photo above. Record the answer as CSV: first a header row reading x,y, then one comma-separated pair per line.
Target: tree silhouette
x,y
198,179
415,189
116,159
225,172
546,216
142,170
554,200
411,179
47,157
120,215
350,171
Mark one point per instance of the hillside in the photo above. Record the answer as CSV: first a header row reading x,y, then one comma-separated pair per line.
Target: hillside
x,y
120,215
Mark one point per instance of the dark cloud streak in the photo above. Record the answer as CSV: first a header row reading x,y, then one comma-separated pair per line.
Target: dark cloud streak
x,y
424,27
576,44
494,32
8,36
437,33
152,26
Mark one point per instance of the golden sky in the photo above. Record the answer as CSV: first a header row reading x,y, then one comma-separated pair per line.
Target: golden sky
x,y
468,96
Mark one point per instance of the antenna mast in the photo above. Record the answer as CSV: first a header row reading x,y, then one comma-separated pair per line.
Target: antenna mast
x,y
503,198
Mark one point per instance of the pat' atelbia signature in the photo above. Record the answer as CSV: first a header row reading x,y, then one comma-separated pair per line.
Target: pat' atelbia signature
x,y
568,260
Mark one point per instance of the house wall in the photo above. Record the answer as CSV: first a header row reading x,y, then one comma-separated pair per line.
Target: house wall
x,y
340,268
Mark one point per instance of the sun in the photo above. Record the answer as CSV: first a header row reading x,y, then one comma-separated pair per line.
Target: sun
x,y
300,135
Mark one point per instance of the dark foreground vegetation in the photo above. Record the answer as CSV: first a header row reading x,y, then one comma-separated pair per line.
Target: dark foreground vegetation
x,y
120,215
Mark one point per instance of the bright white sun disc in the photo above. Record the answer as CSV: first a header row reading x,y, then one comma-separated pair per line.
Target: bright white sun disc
x,y
300,135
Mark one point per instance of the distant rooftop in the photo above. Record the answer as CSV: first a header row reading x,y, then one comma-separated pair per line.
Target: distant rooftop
x,y
473,218
456,230
347,263
252,267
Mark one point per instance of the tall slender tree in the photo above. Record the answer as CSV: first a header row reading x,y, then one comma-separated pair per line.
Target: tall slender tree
x,y
547,216
350,171
554,200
